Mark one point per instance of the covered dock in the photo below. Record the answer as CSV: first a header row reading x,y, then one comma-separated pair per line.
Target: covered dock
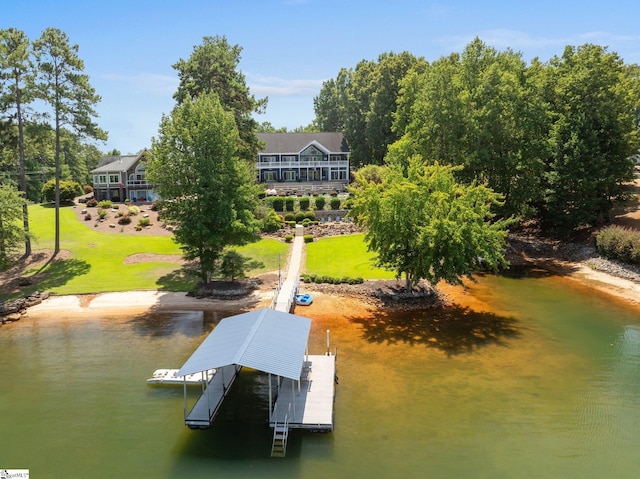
x,y
301,387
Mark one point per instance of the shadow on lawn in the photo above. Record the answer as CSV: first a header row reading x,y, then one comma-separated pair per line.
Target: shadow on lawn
x,y
59,272
452,329
181,279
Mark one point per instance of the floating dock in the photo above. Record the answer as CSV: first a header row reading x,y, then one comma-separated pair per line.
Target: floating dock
x,y
309,403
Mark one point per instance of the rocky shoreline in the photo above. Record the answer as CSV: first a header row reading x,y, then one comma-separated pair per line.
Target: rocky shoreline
x,y
14,310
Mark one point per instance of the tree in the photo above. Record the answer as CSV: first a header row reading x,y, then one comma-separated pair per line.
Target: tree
x,y
16,70
362,102
209,192
11,233
594,134
423,224
478,110
212,68
63,86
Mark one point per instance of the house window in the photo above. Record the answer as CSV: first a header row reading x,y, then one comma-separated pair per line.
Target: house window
x,y
267,159
269,176
114,178
102,179
289,175
289,158
340,174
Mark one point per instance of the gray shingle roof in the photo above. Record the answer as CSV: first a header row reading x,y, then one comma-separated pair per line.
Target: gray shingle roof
x,y
293,143
115,163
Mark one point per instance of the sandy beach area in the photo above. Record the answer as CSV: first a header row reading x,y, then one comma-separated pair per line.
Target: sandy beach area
x,y
138,302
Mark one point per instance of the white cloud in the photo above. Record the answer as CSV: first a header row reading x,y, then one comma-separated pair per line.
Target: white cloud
x,y
542,46
145,82
263,85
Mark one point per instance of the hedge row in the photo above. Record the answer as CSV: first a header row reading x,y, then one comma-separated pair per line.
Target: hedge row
x,y
616,242
315,278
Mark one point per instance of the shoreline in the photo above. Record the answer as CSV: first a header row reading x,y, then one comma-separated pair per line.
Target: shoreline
x,y
140,302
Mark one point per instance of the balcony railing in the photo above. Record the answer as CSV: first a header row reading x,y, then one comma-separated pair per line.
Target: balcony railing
x,y
302,164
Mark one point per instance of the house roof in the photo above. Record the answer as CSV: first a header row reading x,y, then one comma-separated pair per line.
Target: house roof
x,y
267,340
293,143
115,163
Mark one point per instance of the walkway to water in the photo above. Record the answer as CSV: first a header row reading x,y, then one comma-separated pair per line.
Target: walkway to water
x,y
285,297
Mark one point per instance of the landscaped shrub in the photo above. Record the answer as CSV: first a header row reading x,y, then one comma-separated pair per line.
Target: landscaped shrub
x,y
314,278
87,217
124,220
299,216
348,203
308,238
288,238
335,203
289,217
616,242
290,223
68,190
310,215
304,203
102,213
133,210
289,203
105,204
320,201
278,203
271,222
92,202
87,189
144,222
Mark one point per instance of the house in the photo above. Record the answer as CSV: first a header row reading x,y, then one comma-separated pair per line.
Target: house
x,y
123,177
303,161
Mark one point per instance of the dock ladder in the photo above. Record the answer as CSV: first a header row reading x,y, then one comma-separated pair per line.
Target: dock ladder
x,y
280,437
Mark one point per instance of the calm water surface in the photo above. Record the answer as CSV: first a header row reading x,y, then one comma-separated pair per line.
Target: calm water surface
x,y
524,378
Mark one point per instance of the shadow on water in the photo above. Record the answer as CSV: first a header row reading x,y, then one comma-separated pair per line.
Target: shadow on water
x,y
161,323
453,329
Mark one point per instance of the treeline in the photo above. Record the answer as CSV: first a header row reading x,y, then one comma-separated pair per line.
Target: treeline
x,y
555,139
46,110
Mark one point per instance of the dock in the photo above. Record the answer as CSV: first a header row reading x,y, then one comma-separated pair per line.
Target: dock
x,y
274,341
308,405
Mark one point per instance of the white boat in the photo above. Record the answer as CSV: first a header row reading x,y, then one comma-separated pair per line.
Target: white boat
x,y
168,377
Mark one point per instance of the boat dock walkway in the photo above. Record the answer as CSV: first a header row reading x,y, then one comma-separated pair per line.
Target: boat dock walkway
x,y
286,292
205,409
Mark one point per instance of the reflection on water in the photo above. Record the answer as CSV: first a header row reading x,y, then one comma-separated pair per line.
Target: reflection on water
x,y
522,378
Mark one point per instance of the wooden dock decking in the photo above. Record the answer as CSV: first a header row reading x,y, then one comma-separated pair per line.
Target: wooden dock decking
x,y
312,405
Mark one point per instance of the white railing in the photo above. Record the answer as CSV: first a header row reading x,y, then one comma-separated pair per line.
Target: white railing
x,y
302,164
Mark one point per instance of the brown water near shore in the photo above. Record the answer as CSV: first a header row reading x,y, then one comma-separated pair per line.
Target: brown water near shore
x,y
521,377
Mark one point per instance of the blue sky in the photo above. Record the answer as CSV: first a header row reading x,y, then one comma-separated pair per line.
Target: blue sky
x,y
291,46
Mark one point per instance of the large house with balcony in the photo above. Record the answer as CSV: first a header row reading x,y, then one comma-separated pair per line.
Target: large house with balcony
x,y
293,162
303,161
118,178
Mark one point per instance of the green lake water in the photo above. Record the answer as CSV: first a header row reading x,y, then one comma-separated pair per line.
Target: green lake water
x,y
544,381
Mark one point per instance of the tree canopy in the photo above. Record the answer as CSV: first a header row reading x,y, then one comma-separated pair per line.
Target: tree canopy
x,y
209,192
213,68
11,233
424,225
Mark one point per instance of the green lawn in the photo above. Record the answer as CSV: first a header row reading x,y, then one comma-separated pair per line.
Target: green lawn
x,y
340,256
97,259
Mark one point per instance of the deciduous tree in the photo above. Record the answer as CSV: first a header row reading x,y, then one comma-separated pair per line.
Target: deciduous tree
x,y
423,224
209,193
11,233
